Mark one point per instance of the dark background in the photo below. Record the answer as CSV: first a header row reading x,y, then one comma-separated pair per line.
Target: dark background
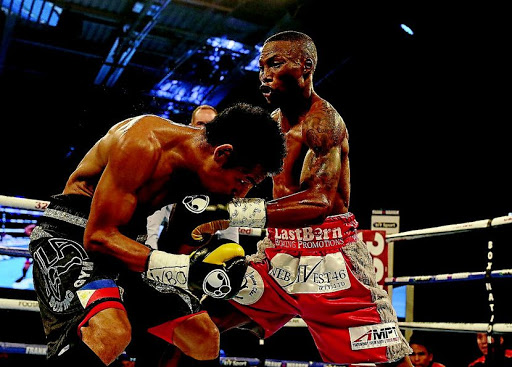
x,y
428,120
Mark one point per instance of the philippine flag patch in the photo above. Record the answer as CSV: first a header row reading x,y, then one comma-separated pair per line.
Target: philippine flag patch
x,y
91,292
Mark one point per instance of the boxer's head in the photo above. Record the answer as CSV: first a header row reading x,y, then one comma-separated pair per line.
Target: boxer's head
x,y
248,146
287,63
202,115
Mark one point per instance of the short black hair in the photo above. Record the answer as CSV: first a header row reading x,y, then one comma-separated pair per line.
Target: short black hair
x,y
256,138
307,43
422,339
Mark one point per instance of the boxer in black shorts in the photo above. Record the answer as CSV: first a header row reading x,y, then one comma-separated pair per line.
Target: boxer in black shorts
x,y
95,280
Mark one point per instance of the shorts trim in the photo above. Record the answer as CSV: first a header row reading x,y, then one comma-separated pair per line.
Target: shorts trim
x,y
65,217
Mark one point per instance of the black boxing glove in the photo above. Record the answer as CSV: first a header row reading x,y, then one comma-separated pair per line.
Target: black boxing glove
x,y
247,212
217,269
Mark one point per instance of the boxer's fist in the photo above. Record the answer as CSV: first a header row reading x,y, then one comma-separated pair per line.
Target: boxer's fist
x,y
217,269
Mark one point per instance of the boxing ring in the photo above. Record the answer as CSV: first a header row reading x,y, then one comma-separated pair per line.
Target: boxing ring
x,y
11,207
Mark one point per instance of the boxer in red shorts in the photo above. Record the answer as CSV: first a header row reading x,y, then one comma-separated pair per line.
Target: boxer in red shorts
x,y
321,273
311,264
325,275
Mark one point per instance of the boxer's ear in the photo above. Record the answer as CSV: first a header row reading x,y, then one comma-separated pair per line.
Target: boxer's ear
x,y
308,66
222,153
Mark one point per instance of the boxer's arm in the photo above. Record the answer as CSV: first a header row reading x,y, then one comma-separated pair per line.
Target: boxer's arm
x,y
325,162
115,200
315,201
311,205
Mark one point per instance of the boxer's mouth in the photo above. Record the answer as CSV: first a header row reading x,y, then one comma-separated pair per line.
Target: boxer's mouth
x,y
265,90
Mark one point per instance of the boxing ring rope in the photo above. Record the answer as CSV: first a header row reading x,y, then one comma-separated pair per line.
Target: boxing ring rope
x,y
490,327
405,280
22,348
23,203
449,229
499,328
461,327
12,251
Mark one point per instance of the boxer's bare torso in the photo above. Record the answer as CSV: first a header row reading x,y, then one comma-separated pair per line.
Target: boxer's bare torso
x,y
140,165
317,146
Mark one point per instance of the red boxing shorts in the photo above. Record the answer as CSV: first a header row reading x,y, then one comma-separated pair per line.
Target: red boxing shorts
x,y
325,275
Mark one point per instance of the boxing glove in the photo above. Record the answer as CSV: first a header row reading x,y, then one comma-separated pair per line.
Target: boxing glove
x,y
215,269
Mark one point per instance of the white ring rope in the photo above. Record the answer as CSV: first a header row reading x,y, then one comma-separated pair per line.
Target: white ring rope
x,y
18,304
23,203
449,229
500,328
41,205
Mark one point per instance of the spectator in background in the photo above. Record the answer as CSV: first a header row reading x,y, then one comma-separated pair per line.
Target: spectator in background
x,y
156,223
202,114
28,261
499,357
422,355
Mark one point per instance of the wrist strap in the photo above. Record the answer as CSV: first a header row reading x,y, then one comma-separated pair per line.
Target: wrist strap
x,y
251,212
168,269
147,259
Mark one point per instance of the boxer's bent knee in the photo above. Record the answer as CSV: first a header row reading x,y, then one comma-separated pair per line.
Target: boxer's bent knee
x,y
107,333
79,355
198,337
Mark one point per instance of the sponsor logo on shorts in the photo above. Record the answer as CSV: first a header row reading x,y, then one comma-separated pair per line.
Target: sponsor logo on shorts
x,y
310,274
58,259
374,336
311,237
252,288
196,203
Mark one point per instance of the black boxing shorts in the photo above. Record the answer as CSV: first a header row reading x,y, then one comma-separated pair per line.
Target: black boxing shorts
x,y
70,287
